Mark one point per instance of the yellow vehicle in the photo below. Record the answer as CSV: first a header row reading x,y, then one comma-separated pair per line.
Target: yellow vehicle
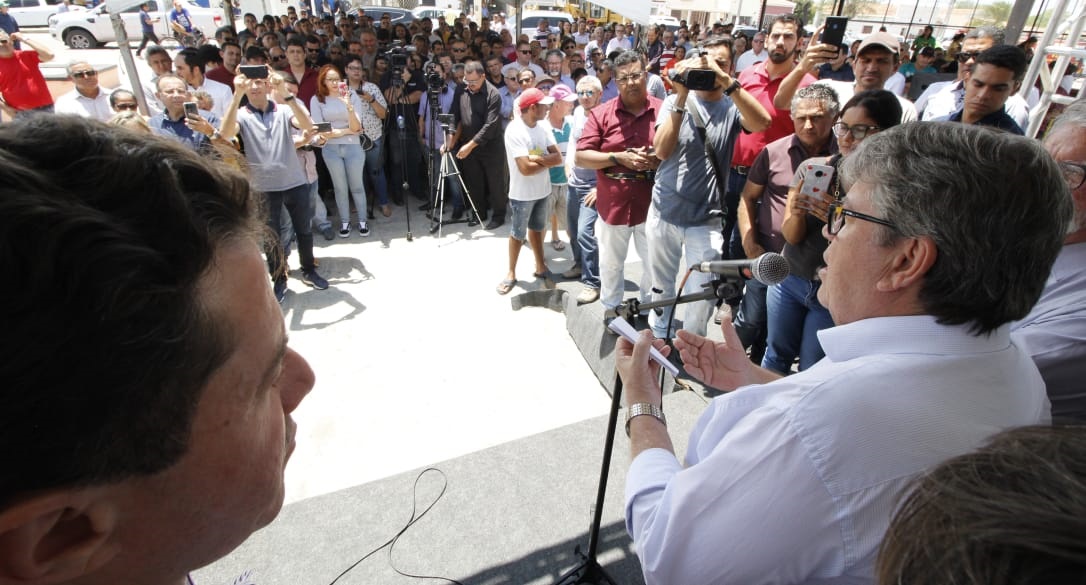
x,y
590,11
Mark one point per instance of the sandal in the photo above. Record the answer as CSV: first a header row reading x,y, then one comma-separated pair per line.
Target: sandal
x,y
558,245
505,286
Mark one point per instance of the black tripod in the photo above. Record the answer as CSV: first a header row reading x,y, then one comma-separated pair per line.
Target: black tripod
x,y
401,134
449,169
589,569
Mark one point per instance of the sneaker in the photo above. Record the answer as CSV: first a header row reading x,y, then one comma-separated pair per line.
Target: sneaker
x,y
363,229
345,230
588,295
313,279
495,223
280,289
326,231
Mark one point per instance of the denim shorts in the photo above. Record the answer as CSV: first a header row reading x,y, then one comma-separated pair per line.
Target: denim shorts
x,y
529,215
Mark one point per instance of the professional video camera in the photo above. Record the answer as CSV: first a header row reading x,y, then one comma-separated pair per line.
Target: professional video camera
x,y
435,82
397,55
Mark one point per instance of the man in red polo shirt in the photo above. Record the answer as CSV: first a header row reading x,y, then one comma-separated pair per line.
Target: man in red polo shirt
x,y
22,85
762,81
617,142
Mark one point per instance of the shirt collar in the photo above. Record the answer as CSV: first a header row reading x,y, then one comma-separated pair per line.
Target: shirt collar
x,y
919,334
271,108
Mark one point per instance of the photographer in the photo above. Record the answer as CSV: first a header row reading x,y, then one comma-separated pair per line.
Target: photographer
x,y
479,146
440,90
403,89
687,207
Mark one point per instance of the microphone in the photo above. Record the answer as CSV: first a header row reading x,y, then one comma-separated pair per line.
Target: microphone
x,y
769,268
399,122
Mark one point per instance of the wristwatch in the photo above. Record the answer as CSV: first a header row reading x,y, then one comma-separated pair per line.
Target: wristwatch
x,y
735,86
644,408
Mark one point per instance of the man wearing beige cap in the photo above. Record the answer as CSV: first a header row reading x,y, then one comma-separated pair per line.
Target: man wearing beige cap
x,y
876,60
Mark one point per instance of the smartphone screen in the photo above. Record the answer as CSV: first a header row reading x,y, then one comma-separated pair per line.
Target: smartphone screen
x,y
324,126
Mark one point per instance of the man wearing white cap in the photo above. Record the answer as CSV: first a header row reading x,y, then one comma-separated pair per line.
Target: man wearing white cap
x,y
530,150
876,60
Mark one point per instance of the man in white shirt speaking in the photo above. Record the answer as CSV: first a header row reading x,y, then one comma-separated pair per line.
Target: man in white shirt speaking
x,y
795,479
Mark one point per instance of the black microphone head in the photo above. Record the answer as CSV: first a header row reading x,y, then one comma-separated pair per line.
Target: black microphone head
x,y
769,268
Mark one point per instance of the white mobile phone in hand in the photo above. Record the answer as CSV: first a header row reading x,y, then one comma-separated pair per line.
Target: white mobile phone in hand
x,y
816,181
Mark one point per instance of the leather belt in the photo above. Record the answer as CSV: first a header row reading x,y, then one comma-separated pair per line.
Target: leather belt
x,y
742,170
642,176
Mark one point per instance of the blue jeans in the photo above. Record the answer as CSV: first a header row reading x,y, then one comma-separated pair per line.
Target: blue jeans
x,y
345,164
732,240
300,208
667,244
750,320
586,250
795,318
376,171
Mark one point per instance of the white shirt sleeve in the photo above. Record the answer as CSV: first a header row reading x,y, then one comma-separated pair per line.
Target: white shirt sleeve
x,y
732,504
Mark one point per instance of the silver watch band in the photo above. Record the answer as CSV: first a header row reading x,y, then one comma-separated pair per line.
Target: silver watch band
x,y
644,408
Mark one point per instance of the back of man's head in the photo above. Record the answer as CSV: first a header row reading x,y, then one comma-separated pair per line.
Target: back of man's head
x,y
994,204
1012,513
108,341
1005,57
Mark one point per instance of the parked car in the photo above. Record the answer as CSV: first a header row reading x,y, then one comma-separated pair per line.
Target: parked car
x,y
29,13
398,14
529,23
92,28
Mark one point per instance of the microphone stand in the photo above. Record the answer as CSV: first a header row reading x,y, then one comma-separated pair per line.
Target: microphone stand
x,y
589,569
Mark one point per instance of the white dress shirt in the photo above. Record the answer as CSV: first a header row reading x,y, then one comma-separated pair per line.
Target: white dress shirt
x,y
219,92
796,481
76,103
750,58
1054,333
945,98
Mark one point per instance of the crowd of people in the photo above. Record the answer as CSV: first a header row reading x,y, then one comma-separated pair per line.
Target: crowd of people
x,y
931,273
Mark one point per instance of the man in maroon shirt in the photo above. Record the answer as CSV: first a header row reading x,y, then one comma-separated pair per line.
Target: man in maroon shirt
x,y
617,142
22,87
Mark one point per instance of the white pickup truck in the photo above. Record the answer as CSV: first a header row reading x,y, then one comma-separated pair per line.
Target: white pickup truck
x,y
91,28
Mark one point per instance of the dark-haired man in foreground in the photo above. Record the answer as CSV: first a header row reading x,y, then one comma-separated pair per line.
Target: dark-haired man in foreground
x,y
794,479
171,453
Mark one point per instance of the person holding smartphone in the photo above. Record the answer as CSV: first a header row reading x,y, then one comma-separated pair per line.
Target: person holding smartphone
x,y
335,104
795,314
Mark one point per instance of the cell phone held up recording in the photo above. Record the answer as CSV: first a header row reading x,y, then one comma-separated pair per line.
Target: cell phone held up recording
x,y
816,181
834,31
191,110
323,127
254,71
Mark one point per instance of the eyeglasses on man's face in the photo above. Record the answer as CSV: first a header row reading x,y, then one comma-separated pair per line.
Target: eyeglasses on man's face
x,y
631,78
1074,173
837,214
586,93
84,74
964,57
525,81
859,131
126,107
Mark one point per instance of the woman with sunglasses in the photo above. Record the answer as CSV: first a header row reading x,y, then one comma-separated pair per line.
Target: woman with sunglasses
x,y
795,315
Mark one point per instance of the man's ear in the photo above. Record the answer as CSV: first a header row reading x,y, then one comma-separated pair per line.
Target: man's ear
x,y
57,536
913,259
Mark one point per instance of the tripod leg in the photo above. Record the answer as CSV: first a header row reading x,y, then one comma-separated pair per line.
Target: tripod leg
x,y
467,194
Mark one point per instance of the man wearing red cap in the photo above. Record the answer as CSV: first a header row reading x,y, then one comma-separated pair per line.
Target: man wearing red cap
x,y
530,150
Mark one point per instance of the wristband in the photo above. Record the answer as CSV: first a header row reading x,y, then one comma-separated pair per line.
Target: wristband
x,y
289,97
735,86
614,160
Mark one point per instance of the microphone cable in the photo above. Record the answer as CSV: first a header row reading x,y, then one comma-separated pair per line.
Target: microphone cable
x,y
415,517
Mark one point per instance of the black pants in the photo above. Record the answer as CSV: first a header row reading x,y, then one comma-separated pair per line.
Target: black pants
x,y
147,36
300,208
484,176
